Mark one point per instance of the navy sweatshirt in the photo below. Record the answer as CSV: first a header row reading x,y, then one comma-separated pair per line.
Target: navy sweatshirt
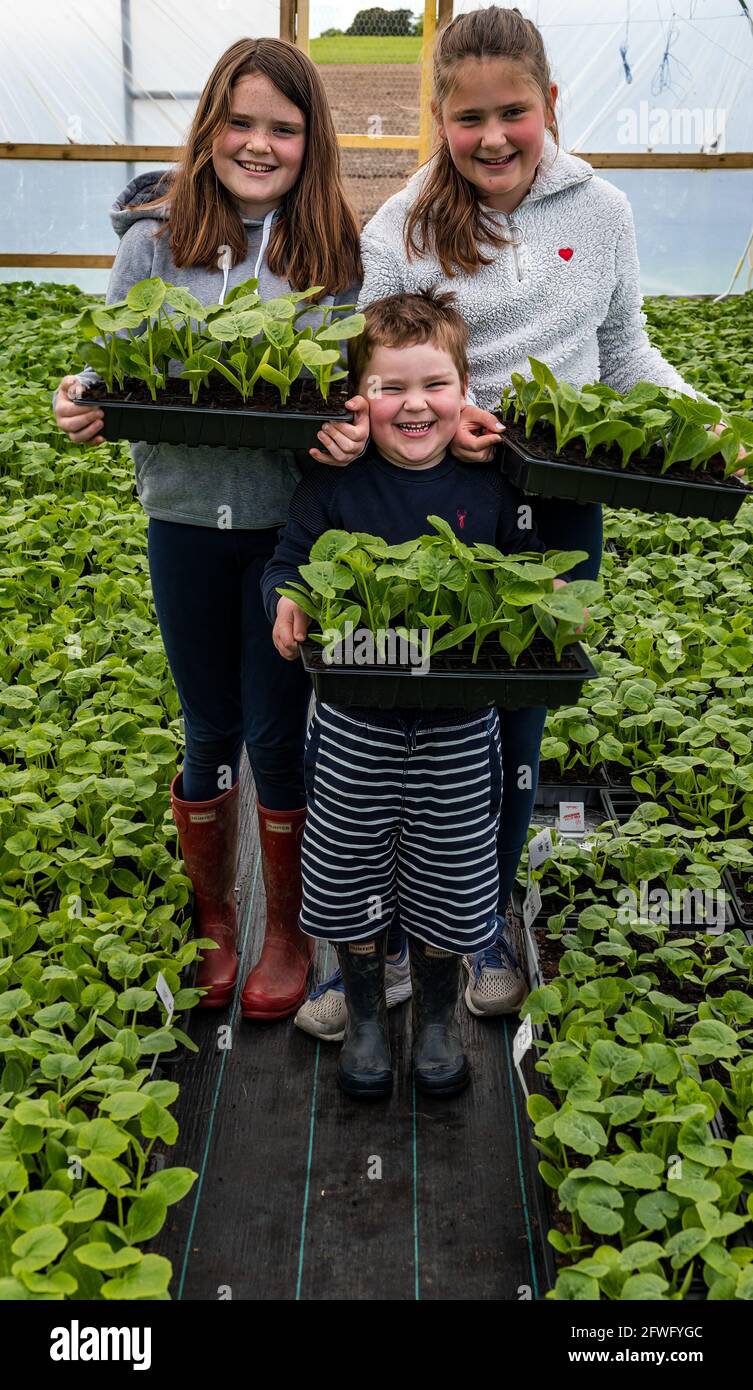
x,y
374,495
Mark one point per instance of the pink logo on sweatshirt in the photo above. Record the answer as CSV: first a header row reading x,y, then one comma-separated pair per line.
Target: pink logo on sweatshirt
x,y
565,252
461,515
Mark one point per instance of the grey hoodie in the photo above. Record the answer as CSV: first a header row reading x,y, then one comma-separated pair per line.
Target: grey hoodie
x,y
192,485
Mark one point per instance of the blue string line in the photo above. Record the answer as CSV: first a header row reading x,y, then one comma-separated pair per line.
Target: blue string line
x,y
216,1095
312,1122
521,1175
417,1280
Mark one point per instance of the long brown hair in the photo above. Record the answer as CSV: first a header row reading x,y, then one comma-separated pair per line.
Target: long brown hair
x,y
314,238
447,218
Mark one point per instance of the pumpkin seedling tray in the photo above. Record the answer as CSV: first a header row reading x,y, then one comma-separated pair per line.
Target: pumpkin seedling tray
x,y
644,491
742,899
453,681
220,419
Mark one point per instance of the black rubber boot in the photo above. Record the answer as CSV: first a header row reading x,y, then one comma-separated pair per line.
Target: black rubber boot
x,y
365,1067
440,1066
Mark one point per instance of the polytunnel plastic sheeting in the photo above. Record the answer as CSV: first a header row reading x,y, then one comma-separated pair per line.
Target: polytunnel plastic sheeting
x,y
690,64
691,227
62,79
63,209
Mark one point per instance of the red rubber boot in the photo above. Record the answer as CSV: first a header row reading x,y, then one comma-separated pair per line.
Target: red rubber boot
x,y
276,986
208,833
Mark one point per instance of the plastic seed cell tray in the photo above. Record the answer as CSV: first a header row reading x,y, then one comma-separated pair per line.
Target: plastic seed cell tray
x,y
551,477
451,682
206,427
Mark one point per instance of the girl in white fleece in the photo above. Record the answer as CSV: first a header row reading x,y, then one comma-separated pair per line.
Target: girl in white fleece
x,y
542,257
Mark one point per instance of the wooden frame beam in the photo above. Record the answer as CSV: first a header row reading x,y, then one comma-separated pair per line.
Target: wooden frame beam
x,y
287,20
425,117
169,154
302,25
33,259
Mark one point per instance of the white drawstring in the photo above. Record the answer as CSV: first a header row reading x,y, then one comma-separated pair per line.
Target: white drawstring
x,y
224,258
224,255
265,235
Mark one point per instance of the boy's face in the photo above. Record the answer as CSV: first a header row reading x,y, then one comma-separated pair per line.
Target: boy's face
x,y
415,398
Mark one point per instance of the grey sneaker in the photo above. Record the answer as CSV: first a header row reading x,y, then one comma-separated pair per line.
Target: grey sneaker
x,y
496,983
325,1012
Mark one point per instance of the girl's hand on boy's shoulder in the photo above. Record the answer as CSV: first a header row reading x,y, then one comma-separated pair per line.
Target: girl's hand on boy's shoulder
x,y
342,441
478,435
291,627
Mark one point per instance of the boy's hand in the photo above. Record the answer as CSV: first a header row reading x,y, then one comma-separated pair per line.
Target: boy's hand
x,y
82,426
562,584
343,442
478,434
291,626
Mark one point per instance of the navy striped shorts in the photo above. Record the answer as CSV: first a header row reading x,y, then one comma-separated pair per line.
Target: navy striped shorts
x,y
402,817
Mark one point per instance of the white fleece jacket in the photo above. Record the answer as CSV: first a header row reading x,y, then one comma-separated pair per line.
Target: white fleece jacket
x,y
569,294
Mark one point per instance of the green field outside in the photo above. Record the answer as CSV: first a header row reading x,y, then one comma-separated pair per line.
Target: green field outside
x,y
369,49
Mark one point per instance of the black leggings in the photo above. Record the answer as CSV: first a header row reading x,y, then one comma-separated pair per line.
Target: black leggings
x,y
233,685
561,526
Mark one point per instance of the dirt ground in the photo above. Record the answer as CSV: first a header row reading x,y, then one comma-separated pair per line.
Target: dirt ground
x,y
358,93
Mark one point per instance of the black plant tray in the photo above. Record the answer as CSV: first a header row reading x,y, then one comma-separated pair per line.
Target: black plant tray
x,y
213,426
550,477
533,967
452,682
550,794
550,775
613,771
620,803
743,912
569,924
547,801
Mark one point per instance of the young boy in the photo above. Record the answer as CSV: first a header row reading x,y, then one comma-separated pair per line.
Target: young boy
x,y
403,807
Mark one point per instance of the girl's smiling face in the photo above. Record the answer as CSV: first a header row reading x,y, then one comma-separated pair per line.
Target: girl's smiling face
x,y
494,122
414,413
259,155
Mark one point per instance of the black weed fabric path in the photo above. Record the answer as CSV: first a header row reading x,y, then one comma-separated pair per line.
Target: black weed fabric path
x,y
304,1194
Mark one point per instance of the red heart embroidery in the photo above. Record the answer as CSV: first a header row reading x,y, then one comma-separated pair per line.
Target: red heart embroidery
x,y
565,252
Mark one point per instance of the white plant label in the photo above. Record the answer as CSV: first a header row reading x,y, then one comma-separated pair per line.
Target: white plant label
x,y
540,848
572,817
520,1045
531,905
522,1040
165,994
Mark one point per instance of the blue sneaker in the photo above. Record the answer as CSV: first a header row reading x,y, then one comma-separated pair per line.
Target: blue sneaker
x,y
325,1012
496,983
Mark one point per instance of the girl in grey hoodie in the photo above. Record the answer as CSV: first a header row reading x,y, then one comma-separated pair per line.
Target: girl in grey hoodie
x,y
542,257
258,194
